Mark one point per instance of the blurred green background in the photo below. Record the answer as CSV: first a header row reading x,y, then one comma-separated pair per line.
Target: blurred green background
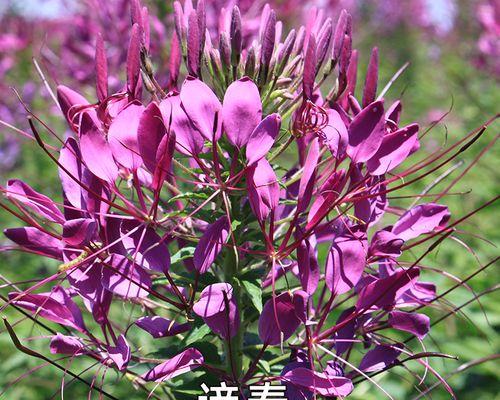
x,y
442,76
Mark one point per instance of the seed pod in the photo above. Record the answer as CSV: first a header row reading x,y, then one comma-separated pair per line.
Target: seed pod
x,y
345,58
175,61
134,61
145,27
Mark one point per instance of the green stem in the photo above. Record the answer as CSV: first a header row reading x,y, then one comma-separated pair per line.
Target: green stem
x,y
234,348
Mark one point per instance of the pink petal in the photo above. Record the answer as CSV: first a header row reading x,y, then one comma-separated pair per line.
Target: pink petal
x,y
262,138
61,344
159,327
123,137
366,132
308,178
202,107
345,263
96,151
286,308
421,219
145,246
35,241
189,139
378,358
184,362
395,148
124,278
211,299
210,245
120,354
78,232
150,131
263,189
319,382
335,134
414,323
384,292
307,263
56,306
241,111
39,203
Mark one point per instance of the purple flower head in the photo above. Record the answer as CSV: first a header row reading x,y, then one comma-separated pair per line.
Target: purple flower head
x,y
233,204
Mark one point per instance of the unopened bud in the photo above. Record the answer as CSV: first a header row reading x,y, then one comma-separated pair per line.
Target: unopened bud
x,y
236,38
225,50
250,63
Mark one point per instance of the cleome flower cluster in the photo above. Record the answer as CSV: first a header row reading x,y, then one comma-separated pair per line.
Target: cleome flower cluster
x,y
196,212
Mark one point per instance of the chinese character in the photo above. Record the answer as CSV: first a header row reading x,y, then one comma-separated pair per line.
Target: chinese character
x,y
267,392
222,392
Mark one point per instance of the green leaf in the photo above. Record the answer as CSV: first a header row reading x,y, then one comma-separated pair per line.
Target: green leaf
x,y
182,254
264,366
254,291
196,334
235,224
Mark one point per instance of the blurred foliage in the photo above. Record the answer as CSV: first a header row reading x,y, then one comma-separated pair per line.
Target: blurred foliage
x,y
441,78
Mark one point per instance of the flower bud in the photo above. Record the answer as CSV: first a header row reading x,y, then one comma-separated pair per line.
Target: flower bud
x,y
236,37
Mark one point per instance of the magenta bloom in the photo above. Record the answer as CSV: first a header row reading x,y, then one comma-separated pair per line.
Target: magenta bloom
x,y
240,214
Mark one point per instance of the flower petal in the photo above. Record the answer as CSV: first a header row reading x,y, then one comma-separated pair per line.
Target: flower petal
x,y
395,148
39,203
345,263
202,107
421,219
159,327
366,132
184,362
262,138
211,244
123,136
241,111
